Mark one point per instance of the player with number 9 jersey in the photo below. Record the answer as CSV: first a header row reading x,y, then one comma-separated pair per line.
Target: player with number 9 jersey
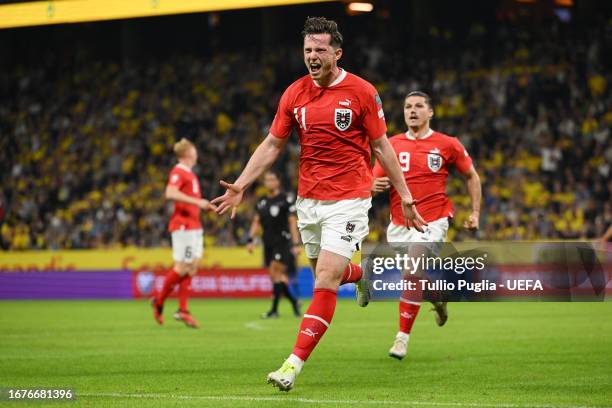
x,y
425,157
426,162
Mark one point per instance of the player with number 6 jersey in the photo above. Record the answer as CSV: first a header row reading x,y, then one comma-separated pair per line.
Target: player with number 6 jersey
x,y
183,189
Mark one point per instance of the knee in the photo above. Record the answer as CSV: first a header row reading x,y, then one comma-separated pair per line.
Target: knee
x,y
276,271
327,277
193,269
181,268
184,268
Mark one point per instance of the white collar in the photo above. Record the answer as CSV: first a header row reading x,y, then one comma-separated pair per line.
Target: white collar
x,y
182,166
410,136
336,81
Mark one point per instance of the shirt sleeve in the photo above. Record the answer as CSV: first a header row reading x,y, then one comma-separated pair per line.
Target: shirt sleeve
x,y
259,209
461,159
283,120
291,204
373,116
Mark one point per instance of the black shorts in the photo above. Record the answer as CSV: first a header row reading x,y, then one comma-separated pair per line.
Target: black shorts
x,y
280,253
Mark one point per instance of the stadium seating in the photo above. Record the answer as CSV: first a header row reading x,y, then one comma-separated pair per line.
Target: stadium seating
x,y
89,144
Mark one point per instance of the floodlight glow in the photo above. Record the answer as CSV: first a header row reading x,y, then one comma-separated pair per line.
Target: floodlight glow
x,y
361,7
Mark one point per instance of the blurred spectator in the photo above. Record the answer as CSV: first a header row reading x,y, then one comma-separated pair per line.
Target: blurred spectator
x,y
83,157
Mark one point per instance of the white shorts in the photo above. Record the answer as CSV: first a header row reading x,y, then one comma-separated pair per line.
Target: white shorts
x,y
187,245
337,226
435,234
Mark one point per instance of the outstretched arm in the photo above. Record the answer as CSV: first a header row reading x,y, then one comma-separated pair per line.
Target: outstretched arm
x,y
263,157
174,194
472,180
386,157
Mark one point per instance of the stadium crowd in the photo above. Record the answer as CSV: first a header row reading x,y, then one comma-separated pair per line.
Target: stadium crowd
x,y
86,146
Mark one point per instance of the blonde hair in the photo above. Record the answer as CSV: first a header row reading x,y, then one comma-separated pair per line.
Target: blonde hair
x,y
182,147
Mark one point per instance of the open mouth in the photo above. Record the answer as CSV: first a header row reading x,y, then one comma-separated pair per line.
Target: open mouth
x,y
314,67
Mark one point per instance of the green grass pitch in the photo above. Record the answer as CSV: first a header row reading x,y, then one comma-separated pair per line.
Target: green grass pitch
x,y
505,355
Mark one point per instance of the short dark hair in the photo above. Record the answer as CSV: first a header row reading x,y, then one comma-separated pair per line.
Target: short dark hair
x,y
321,25
422,94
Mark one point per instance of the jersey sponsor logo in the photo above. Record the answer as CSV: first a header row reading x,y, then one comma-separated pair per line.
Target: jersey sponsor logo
x,y
434,160
346,102
346,238
350,227
343,118
274,210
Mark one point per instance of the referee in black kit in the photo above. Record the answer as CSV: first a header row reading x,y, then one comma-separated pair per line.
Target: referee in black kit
x,y
276,215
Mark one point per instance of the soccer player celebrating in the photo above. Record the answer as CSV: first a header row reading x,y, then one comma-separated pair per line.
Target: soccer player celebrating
x,y
338,117
186,229
425,157
277,217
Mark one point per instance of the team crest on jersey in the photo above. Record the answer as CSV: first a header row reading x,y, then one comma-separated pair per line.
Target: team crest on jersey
x,y
274,210
343,118
350,227
434,160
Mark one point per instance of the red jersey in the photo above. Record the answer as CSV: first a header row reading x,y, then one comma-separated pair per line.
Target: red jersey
x,y
335,125
185,216
425,163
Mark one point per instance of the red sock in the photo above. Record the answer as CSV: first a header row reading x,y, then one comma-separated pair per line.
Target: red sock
x,y
409,305
315,322
408,312
172,278
184,291
351,274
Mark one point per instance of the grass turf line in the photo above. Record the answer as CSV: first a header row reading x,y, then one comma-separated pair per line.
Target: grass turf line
x,y
502,354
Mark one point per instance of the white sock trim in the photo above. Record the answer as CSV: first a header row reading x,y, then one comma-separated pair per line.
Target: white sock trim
x,y
350,272
402,335
410,302
316,318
